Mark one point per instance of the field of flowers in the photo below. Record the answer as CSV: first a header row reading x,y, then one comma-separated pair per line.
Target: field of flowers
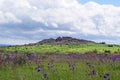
x,y
32,66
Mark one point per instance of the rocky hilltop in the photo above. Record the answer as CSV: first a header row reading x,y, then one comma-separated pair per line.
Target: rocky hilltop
x,y
64,40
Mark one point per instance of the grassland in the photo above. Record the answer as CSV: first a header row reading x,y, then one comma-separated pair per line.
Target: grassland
x,y
60,62
66,49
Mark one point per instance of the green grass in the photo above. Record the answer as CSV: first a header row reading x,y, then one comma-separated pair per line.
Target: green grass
x,y
60,71
83,48
60,68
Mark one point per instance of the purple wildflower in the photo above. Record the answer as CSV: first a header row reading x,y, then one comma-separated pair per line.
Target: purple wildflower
x,y
52,61
93,72
45,75
105,76
38,69
7,55
32,57
88,63
49,66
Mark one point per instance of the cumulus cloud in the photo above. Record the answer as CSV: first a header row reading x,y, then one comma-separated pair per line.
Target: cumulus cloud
x,y
38,19
8,17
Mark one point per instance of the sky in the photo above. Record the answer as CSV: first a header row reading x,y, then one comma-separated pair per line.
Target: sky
x,y
29,21
107,2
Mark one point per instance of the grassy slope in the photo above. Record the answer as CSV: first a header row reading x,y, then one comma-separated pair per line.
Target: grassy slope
x,y
96,48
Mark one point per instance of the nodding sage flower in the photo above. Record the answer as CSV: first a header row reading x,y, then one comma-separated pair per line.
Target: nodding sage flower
x,y
108,78
49,66
38,69
93,72
45,75
106,75
88,63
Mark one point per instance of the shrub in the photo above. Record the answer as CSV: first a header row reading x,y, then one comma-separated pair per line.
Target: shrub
x,y
95,51
110,45
107,51
102,43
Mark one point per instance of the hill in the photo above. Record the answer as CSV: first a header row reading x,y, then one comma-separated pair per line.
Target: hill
x,y
64,45
63,41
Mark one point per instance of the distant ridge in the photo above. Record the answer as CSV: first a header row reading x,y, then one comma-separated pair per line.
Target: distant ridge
x,y
62,41
2,45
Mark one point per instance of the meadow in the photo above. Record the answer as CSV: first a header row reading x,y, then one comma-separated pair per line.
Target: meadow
x,y
65,49
60,62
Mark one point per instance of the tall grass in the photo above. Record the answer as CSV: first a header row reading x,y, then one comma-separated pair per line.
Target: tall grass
x,y
59,67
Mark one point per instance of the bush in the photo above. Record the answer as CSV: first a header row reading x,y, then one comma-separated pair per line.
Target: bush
x,y
102,43
95,51
110,45
107,51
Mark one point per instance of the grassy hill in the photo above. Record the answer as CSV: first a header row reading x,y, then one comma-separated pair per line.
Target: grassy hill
x,y
71,48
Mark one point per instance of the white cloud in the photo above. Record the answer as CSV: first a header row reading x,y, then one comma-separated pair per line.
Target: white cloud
x,y
59,17
16,41
7,17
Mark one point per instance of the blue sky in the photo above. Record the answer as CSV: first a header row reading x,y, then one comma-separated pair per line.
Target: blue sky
x,y
29,21
113,2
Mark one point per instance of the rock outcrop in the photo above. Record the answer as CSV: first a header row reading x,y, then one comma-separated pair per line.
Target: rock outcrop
x,y
64,40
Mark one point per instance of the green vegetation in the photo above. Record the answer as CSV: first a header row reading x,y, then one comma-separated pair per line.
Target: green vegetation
x,y
73,48
60,62
59,67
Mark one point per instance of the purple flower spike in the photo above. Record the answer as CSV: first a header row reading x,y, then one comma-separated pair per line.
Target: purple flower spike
x,y
49,66
52,61
105,76
88,63
45,75
93,72
38,69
